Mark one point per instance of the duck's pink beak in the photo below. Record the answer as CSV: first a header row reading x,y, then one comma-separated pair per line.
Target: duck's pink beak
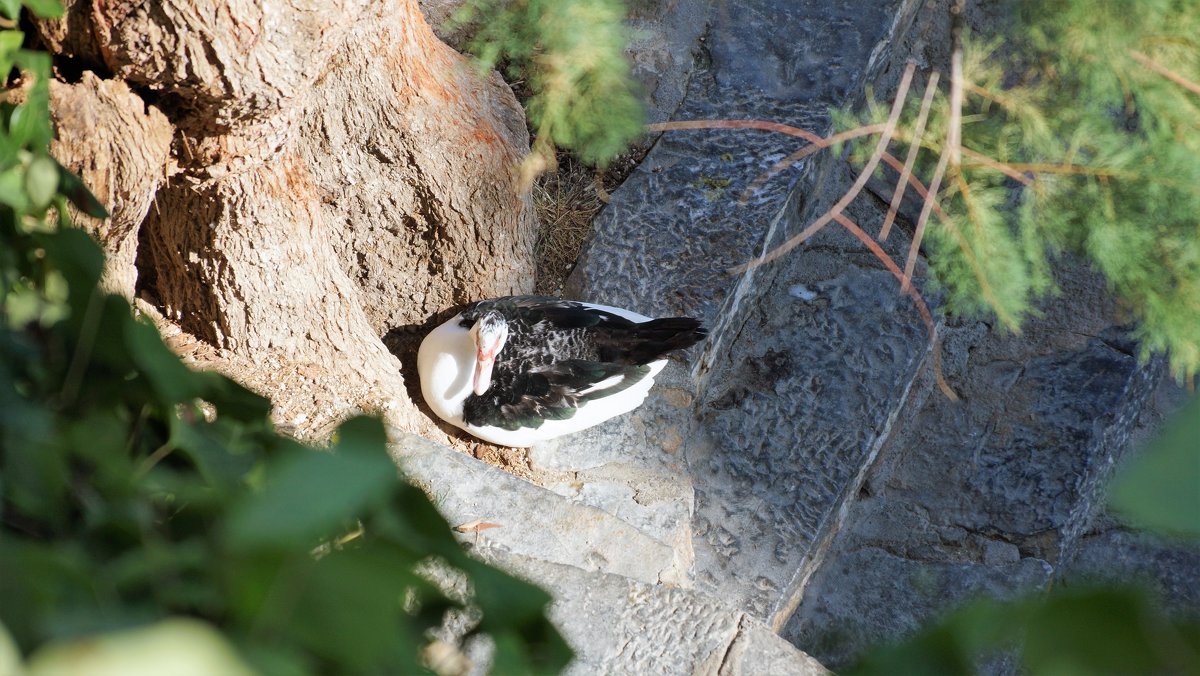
x,y
484,361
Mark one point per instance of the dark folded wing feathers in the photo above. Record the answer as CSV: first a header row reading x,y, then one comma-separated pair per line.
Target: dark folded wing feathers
x,y
557,350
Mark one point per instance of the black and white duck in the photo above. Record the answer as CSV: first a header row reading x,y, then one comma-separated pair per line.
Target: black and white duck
x,y
523,369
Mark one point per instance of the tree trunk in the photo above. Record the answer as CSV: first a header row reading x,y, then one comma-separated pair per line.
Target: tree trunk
x,y
336,173
121,147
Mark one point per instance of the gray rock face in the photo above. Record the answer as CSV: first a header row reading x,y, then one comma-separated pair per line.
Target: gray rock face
x,y
894,595
619,626
766,470
988,495
633,467
981,496
1112,553
663,244
663,35
530,520
796,404
1109,551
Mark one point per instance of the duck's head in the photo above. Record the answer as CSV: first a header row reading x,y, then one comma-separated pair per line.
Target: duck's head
x,y
489,333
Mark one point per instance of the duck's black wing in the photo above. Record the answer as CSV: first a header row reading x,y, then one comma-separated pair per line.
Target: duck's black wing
x,y
561,354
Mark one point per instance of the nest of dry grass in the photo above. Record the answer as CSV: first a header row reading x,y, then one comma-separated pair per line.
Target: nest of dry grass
x,y
565,201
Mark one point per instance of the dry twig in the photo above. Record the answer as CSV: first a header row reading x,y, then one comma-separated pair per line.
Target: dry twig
x,y
1165,72
922,308
911,158
852,193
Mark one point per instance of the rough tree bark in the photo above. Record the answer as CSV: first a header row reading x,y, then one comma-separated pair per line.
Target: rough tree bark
x,y
122,148
334,172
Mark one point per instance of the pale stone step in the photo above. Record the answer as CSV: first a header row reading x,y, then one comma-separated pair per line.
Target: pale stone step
x,y
532,521
620,626
633,468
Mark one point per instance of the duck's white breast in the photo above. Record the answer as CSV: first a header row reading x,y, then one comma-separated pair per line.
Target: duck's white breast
x,y
444,364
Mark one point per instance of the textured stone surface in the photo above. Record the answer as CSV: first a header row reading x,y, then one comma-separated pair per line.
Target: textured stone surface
x,y
771,460
620,626
796,404
1113,553
532,521
633,467
988,494
673,228
663,36
892,595
1109,551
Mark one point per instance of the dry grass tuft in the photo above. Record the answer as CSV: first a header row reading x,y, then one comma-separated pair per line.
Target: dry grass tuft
x,y
565,201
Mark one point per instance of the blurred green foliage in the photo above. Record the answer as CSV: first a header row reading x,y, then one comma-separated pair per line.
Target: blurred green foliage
x,y
1069,631
1080,134
571,53
1160,490
133,490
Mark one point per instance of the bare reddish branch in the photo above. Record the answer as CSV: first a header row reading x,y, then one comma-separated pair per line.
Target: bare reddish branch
x,y
930,200
948,151
805,152
918,132
945,219
1165,72
919,301
1007,170
761,125
852,193
916,183
954,137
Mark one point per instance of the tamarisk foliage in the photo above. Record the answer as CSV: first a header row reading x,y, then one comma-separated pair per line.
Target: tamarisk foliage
x,y
1080,136
571,53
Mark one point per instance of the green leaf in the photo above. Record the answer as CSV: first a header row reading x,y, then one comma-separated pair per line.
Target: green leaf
x,y
175,645
10,657
172,381
12,190
1092,631
40,580
350,611
308,495
78,258
35,473
1067,631
933,652
41,181
45,9
11,9
212,451
1161,488
29,124
233,401
514,613
72,187
10,42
